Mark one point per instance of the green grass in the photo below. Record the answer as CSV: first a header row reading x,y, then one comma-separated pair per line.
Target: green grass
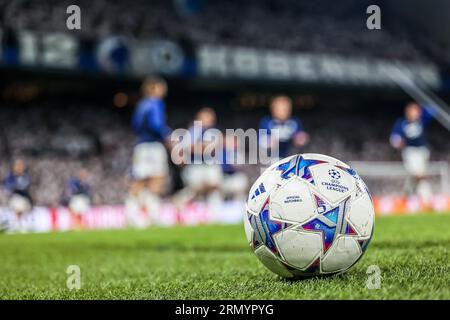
x,y
214,262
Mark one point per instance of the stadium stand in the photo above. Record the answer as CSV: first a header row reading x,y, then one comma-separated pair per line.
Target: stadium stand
x,y
303,27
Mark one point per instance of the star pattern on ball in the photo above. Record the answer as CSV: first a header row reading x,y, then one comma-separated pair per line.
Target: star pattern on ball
x,y
264,228
299,166
331,223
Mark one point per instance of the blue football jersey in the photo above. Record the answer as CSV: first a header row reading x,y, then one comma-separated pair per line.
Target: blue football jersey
x,y
287,131
412,132
76,187
149,120
17,183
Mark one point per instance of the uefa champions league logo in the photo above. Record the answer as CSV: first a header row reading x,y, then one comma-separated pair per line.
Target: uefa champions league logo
x,y
334,174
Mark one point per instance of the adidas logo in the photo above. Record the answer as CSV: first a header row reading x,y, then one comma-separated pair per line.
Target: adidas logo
x,y
258,191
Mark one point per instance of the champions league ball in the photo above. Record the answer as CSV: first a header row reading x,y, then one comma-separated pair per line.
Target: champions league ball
x,y
308,215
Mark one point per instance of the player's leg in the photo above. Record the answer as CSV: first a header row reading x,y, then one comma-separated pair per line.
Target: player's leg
x,y
141,168
214,179
193,180
423,186
409,163
150,169
133,207
235,186
79,205
156,185
416,161
20,204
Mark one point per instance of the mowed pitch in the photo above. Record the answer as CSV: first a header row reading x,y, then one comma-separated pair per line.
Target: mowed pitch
x,y
214,262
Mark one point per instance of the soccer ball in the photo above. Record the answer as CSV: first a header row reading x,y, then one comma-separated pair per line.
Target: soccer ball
x,y
307,215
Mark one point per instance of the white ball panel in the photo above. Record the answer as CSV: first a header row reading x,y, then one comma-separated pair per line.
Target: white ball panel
x,y
292,202
344,252
271,261
270,181
361,215
299,248
332,189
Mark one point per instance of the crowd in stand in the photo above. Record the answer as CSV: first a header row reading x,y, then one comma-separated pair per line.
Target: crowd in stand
x,y
287,25
67,141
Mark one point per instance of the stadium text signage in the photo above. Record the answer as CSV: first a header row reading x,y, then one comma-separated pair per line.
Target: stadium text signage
x,y
246,63
118,55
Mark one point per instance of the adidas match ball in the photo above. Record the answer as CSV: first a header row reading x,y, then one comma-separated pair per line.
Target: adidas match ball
x,y
309,214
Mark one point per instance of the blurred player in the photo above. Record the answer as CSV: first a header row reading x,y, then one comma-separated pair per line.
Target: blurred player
x,y
290,130
235,181
18,183
202,180
78,195
150,167
408,135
